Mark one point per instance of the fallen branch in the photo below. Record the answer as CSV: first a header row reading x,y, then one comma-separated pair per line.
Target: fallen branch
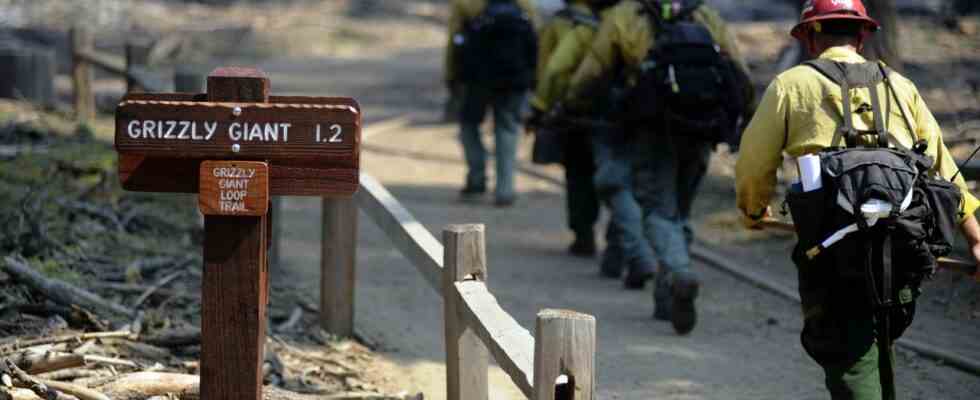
x,y
35,362
290,323
82,393
175,338
18,345
160,284
109,361
62,292
136,288
142,385
22,380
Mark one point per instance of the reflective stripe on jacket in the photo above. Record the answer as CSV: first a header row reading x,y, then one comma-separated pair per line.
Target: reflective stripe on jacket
x,y
625,37
459,12
799,114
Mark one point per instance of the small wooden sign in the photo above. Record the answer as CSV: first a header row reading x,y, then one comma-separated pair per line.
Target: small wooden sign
x,y
235,188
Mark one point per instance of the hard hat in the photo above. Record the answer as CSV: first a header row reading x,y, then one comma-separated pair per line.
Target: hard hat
x,y
820,10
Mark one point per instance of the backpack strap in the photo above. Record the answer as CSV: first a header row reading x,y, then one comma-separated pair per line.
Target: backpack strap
x,y
901,107
879,120
837,74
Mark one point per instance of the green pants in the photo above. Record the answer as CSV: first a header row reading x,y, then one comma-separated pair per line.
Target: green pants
x,y
857,380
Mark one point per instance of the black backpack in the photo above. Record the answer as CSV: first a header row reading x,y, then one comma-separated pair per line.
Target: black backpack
x,y
685,85
498,48
851,262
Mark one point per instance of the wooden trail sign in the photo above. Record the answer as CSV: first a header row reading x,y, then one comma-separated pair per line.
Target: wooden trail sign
x,y
236,146
312,144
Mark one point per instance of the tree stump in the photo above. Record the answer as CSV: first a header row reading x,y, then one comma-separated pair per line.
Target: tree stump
x,y
27,72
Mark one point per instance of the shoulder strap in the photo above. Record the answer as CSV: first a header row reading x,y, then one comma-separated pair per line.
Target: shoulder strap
x,y
837,73
901,107
828,68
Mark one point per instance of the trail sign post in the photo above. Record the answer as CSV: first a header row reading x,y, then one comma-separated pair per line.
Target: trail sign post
x,y
236,146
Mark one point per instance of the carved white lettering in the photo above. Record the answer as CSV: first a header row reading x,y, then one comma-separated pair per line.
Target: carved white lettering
x,y
184,125
234,131
170,130
134,133
211,127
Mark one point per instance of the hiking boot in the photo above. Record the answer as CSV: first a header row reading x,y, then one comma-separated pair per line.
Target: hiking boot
x,y
583,246
684,291
472,193
611,265
504,202
637,276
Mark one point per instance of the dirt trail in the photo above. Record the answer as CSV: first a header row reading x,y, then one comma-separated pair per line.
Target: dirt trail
x,y
746,346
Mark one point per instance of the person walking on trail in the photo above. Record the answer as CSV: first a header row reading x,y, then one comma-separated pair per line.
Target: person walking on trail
x,y
686,88
879,200
492,52
563,44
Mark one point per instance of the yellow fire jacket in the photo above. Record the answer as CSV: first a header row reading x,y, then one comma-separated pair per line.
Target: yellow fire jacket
x,y
552,32
459,12
799,114
625,37
556,68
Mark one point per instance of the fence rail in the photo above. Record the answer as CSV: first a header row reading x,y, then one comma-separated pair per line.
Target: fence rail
x,y
554,364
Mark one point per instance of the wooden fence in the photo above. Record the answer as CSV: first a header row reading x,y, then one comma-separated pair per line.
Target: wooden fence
x,y
84,57
554,364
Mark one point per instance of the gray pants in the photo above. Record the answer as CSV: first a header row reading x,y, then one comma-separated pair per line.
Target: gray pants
x,y
506,106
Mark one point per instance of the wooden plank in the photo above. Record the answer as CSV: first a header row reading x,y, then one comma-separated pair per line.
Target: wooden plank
x,y
404,231
81,40
467,364
337,266
565,344
233,307
511,345
234,188
321,132
235,287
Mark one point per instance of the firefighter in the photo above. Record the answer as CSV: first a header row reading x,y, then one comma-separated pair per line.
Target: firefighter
x,y
802,113
492,54
663,161
563,46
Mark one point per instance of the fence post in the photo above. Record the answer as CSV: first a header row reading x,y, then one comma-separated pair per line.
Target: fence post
x,y
137,56
465,258
337,272
82,41
564,345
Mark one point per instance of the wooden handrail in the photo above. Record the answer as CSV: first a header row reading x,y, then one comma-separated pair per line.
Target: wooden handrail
x,y
509,343
475,323
405,232
117,65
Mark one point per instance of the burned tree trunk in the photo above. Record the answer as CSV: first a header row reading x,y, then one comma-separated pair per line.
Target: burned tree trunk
x,y
884,44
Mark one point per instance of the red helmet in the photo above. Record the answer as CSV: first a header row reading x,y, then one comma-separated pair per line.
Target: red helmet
x,y
819,10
